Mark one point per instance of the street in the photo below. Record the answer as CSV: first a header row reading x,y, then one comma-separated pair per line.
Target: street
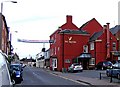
x,y
33,76
37,76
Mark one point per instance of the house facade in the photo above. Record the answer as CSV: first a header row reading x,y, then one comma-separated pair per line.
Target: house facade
x,y
68,44
89,44
104,45
47,58
116,32
40,60
4,35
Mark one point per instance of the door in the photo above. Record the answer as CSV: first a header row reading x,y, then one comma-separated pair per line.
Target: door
x,y
85,64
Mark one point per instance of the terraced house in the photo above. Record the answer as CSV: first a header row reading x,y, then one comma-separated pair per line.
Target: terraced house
x,y
4,36
89,44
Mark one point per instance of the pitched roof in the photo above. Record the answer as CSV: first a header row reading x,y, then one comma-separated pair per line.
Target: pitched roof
x,y
115,29
86,23
66,31
96,35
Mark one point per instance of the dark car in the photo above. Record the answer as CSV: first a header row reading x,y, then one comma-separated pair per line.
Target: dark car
x,y
104,65
113,73
16,71
75,67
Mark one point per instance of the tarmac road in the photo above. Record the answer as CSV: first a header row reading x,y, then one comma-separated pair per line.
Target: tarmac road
x,y
37,76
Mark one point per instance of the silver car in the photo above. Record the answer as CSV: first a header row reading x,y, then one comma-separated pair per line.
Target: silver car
x,y
5,78
75,67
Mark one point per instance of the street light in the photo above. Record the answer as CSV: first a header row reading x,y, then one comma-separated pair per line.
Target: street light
x,y
6,1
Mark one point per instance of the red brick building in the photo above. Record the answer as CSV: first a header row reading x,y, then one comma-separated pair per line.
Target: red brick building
x,y
86,44
105,45
4,35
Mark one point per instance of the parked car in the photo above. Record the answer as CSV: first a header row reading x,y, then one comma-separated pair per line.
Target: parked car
x,y
116,65
104,65
113,73
5,78
75,67
115,61
16,71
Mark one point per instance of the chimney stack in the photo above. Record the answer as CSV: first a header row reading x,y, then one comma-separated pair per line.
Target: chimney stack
x,y
108,25
68,19
104,28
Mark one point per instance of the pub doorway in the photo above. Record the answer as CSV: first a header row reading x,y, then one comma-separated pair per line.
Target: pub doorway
x,y
85,63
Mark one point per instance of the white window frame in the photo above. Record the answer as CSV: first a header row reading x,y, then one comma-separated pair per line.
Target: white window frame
x,y
114,46
85,49
54,62
92,61
92,46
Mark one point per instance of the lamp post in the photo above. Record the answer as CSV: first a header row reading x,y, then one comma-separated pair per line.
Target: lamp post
x,y
6,1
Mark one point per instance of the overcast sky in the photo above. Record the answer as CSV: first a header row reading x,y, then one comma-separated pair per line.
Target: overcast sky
x,y
38,19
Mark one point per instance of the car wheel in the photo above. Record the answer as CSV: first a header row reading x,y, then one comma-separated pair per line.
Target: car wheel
x,y
107,74
118,76
72,71
81,70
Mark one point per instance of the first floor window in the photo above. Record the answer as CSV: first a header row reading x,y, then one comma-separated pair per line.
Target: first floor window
x,y
114,46
85,49
92,46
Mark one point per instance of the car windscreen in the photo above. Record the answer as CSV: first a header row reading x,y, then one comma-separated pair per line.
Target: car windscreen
x,y
108,63
15,67
76,64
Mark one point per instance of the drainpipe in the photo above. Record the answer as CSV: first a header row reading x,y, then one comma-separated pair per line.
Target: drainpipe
x,y
63,52
95,52
108,42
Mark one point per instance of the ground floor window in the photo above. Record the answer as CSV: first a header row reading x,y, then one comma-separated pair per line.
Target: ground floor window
x,y
67,61
118,58
54,63
92,61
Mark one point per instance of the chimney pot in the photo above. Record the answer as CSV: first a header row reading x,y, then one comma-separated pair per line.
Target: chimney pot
x,y
104,26
108,25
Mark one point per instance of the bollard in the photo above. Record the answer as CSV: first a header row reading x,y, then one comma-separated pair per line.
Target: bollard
x,y
111,77
64,70
100,75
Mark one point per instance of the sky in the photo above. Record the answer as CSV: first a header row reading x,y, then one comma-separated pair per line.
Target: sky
x,y
38,19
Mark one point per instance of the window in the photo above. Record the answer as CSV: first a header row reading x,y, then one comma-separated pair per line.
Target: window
x,y
114,46
67,60
54,63
92,46
92,61
85,49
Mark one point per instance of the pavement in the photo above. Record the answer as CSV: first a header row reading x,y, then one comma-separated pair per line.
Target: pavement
x,y
87,80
